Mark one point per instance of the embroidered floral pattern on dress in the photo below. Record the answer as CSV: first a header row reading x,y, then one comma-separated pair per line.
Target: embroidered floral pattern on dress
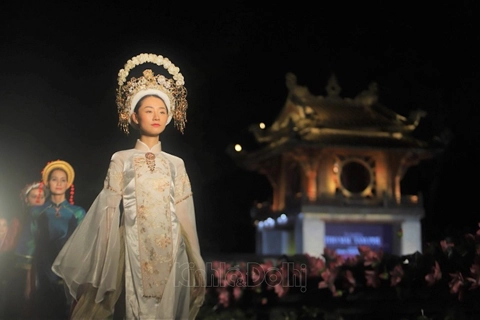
x,y
154,210
114,180
147,267
183,188
141,212
163,241
150,158
184,198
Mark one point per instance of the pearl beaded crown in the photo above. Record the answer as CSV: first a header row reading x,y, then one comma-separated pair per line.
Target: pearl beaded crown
x,y
173,87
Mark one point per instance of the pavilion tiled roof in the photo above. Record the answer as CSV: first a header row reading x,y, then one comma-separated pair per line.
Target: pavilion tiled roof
x,y
334,121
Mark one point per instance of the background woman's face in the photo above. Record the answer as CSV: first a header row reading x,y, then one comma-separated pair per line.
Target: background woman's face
x,y
36,197
57,183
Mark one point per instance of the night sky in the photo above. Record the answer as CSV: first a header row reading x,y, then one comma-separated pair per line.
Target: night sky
x,y
59,64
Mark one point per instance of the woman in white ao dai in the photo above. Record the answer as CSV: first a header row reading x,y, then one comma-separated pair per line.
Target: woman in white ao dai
x,y
139,237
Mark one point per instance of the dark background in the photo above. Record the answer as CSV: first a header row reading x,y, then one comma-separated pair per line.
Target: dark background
x,y
59,63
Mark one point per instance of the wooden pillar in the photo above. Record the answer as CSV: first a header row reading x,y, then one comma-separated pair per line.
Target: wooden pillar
x,y
309,160
407,160
272,169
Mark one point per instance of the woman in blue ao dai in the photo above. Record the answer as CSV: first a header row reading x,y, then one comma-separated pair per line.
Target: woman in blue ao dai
x,y
52,224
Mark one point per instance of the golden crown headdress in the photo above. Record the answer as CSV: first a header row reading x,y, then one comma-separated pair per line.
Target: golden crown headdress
x,y
170,89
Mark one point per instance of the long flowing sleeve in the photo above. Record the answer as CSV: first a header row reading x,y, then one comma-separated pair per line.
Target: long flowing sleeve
x,y
91,255
186,215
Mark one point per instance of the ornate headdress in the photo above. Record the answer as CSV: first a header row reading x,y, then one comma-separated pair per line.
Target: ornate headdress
x,y
65,166
172,91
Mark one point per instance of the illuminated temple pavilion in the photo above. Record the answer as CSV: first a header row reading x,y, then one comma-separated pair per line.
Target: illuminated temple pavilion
x,y
336,166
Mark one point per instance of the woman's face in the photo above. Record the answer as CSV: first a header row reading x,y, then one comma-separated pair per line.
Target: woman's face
x,y
3,226
151,116
36,197
57,183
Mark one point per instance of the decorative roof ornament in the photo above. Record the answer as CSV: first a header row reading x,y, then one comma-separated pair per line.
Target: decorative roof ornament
x,y
333,88
296,91
171,90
